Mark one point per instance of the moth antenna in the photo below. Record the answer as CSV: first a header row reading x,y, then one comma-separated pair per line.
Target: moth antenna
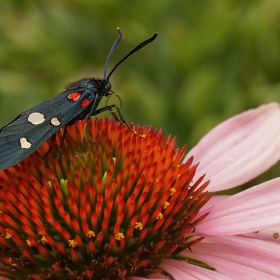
x,y
137,48
112,51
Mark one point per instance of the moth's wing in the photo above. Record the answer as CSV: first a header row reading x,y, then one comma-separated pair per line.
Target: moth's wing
x,y
20,138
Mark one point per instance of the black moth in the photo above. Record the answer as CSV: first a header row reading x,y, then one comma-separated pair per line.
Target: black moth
x,y
28,131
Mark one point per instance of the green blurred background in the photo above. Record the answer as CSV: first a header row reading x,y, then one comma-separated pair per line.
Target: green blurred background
x,y
211,60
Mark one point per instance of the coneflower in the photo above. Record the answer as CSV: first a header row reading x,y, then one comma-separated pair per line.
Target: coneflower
x,y
120,206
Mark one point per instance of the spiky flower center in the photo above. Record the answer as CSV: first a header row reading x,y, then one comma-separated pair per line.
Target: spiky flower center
x,y
107,209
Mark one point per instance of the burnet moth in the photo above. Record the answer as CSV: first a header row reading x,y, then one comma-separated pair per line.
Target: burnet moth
x,y
29,130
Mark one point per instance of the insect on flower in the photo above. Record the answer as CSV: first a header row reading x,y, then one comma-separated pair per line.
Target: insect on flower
x,y
29,130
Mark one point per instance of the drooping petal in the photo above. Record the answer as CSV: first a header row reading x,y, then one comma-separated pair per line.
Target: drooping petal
x,y
271,234
237,261
153,276
181,270
255,239
248,211
240,148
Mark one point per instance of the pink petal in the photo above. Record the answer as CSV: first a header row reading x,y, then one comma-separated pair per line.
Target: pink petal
x,y
237,261
149,277
272,235
181,270
253,240
240,148
214,200
254,209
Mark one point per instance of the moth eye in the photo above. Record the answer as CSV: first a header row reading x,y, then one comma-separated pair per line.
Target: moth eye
x,y
107,87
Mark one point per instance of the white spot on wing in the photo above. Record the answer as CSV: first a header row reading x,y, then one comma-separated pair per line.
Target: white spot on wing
x,y
36,118
55,122
24,143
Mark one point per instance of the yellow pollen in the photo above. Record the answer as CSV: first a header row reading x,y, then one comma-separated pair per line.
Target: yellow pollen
x,y
179,175
90,234
72,243
160,216
166,204
119,236
43,240
172,191
138,226
28,243
8,235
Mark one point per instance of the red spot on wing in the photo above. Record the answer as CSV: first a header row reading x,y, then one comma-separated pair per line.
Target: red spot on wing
x,y
74,96
85,102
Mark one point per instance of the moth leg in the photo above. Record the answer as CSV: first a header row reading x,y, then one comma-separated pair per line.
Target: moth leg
x,y
118,117
49,149
87,132
94,104
62,141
